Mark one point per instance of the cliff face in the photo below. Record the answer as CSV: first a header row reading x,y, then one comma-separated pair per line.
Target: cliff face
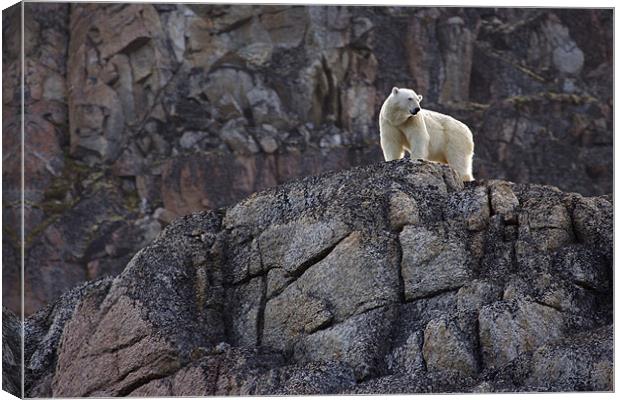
x,y
137,113
392,277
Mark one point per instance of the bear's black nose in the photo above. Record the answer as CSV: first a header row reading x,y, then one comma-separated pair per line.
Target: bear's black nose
x,y
415,110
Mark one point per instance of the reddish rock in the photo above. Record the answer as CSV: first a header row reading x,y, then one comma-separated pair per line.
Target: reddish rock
x,y
213,180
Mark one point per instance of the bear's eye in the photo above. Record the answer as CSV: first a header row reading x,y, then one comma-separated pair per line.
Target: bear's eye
x,y
410,98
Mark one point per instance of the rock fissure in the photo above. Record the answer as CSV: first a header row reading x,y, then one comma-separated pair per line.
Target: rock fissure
x,y
244,281
547,304
573,230
433,294
148,114
260,326
315,260
132,342
139,383
401,281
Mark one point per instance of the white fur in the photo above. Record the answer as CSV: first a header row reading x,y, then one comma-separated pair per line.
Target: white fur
x,y
428,135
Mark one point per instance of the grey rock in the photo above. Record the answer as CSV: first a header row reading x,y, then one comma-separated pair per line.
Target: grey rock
x,y
562,295
330,141
286,28
11,353
357,341
567,57
149,228
245,262
256,54
191,138
244,302
316,298
470,206
568,61
237,138
503,201
163,215
432,261
415,315
289,246
242,371
510,328
548,224
447,348
277,279
229,82
581,362
408,356
592,218
267,107
403,210
457,51
268,144
313,378
311,287
476,294
582,266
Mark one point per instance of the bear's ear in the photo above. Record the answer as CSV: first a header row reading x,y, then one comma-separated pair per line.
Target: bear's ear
x,y
419,97
394,90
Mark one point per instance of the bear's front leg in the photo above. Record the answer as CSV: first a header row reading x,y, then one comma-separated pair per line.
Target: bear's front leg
x,y
419,145
391,143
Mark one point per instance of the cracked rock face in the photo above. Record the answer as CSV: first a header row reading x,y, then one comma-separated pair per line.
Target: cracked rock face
x,y
147,112
313,288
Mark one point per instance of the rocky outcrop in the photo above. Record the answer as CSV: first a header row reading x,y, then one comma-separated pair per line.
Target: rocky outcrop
x,y
146,112
389,278
11,353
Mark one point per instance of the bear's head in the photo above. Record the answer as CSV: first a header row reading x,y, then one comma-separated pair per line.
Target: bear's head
x,y
403,104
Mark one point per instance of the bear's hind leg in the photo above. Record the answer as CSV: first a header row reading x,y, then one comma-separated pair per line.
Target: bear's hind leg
x,y
461,163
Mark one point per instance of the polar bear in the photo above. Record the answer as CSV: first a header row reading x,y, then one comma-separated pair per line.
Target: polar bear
x,y
425,134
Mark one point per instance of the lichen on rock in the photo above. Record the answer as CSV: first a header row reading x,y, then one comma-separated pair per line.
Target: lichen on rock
x,y
277,296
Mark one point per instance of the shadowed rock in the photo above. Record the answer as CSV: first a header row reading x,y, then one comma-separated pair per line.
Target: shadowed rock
x,y
11,353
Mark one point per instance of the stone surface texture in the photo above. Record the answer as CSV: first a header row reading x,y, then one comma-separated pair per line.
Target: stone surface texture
x,y
11,353
139,113
310,288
